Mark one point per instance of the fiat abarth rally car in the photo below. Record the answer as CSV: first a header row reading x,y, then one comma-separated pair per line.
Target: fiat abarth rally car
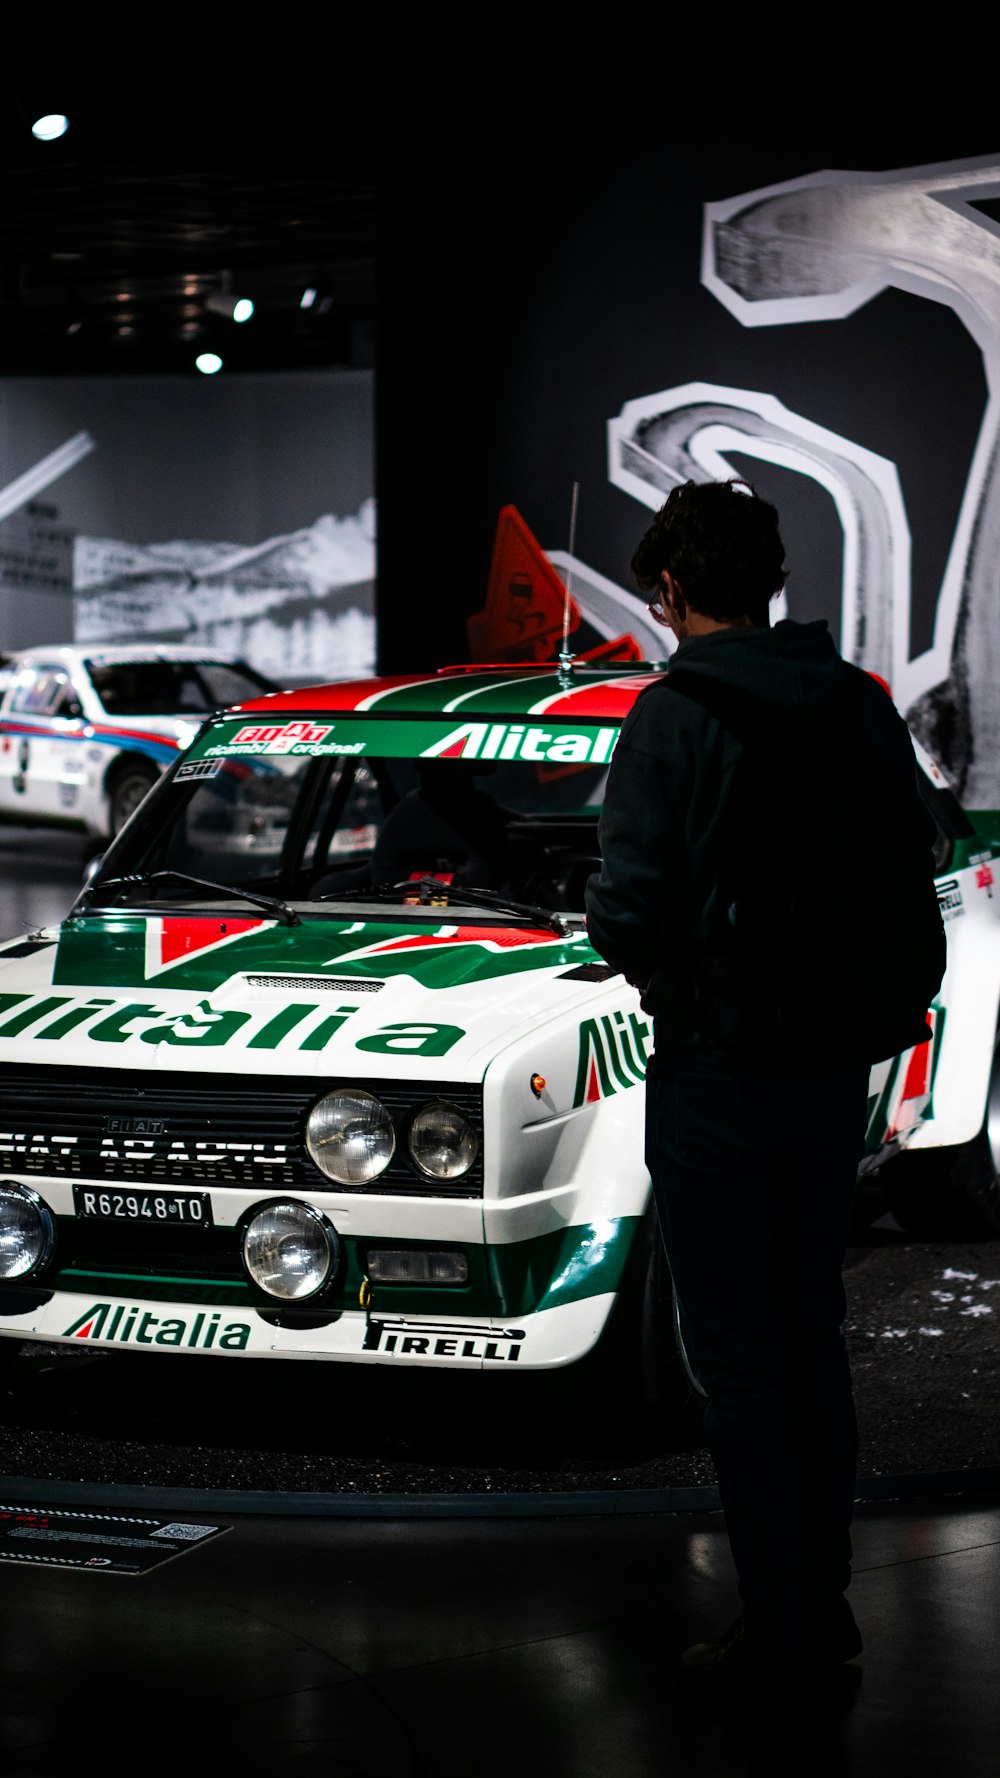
x,y
322,1064
85,732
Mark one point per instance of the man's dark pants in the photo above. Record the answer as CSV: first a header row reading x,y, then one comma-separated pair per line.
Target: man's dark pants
x,y
754,1176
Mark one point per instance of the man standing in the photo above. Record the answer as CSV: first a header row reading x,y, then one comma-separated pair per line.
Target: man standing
x,y
754,1129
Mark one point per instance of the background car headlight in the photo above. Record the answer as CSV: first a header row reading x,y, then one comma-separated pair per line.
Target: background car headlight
x,y
27,1232
350,1136
290,1250
442,1141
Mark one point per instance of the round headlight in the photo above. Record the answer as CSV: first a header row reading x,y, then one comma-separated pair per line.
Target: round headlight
x,y
442,1141
289,1250
350,1137
27,1232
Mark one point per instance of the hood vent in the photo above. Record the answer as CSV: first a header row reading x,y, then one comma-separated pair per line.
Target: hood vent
x,y
341,983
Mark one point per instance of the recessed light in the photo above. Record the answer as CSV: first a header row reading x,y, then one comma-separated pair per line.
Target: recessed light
x,y
234,308
47,128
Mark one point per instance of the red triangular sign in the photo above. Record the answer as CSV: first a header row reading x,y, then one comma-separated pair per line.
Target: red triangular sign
x,y
525,611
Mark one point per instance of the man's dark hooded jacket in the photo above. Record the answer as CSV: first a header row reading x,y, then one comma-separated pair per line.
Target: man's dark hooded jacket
x,y
653,902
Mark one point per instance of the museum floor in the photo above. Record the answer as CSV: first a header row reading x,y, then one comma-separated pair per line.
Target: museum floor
x,y
479,1647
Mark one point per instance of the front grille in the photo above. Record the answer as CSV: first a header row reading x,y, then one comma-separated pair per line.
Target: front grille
x,y
133,1250
197,1130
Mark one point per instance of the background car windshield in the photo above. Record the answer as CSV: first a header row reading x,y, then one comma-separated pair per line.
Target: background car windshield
x,y
304,827
43,691
172,688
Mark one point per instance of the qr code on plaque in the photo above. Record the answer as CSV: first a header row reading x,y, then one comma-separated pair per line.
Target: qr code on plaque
x,y
187,1533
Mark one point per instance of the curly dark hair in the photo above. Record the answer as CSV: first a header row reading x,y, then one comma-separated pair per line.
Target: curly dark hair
x,y
720,542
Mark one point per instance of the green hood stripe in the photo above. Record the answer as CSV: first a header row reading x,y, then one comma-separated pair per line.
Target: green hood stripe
x,y
111,953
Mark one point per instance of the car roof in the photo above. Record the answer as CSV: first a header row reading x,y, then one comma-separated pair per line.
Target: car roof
x,y
589,694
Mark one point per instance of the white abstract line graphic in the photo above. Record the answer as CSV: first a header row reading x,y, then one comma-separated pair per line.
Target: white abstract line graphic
x,y
683,434
815,249
44,472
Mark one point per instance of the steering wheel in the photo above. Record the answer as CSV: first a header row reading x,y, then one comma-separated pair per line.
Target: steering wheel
x,y
560,879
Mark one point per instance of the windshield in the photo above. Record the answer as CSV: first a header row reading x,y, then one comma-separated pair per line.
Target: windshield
x,y
316,808
173,688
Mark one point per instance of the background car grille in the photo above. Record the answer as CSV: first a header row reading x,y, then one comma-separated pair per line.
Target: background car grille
x,y
198,1130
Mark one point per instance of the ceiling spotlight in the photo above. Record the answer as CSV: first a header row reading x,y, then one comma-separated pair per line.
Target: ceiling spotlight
x,y
47,128
307,298
208,363
234,308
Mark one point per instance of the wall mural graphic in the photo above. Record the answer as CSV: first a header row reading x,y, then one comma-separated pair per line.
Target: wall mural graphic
x,y
296,606
152,509
816,249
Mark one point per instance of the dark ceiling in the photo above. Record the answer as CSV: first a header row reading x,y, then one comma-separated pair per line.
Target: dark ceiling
x,y
219,150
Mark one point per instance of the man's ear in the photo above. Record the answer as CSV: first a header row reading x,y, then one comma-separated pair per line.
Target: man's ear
x,y
673,596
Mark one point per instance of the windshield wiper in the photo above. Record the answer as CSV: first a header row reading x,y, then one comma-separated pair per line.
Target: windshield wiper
x,y
145,879
432,890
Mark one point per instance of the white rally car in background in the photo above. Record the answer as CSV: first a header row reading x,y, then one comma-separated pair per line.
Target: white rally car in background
x,y
85,732
362,1090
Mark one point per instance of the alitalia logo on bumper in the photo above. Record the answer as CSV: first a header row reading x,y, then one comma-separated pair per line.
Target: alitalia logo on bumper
x,y
138,1327
518,740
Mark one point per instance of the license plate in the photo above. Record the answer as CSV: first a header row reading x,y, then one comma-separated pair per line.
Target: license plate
x,y
169,1209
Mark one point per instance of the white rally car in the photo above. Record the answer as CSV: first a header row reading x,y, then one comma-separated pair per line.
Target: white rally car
x,y
85,732
322,1064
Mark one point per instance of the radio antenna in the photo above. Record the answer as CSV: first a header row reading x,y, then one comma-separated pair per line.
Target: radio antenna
x,y
565,658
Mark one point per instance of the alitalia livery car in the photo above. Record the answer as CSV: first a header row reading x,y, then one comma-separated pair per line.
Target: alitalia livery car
x,y
85,732
322,1063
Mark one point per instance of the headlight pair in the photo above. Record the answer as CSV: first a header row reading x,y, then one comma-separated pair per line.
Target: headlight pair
x,y
352,1138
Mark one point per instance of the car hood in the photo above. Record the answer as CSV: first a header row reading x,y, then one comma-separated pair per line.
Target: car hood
x,y
426,997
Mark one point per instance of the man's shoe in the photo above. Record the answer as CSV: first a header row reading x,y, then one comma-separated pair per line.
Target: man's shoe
x,y
749,1671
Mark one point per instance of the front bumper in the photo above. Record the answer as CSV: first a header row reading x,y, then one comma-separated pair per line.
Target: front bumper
x,y
544,1340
